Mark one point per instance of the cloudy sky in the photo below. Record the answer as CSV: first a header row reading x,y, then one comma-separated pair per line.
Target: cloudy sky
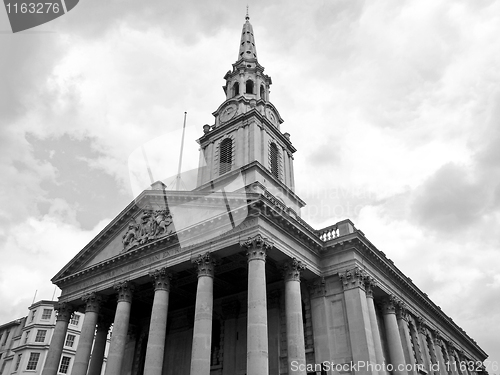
x,y
393,106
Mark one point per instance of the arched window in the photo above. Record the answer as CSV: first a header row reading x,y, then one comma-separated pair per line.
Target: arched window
x,y
225,156
236,89
262,92
249,87
274,160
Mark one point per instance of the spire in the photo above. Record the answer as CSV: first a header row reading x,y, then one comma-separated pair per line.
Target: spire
x,y
247,44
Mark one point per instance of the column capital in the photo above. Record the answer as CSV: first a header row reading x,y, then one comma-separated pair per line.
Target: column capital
x,y
64,311
204,264
401,311
317,288
436,337
370,283
389,305
420,322
257,247
125,291
353,278
92,301
461,354
451,346
161,279
292,269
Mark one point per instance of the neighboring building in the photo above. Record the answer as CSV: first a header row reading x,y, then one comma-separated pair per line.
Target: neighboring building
x,y
268,294
25,342
9,332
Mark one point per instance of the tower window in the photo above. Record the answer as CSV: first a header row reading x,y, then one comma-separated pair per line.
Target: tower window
x,y
262,91
225,156
236,89
249,87
274,160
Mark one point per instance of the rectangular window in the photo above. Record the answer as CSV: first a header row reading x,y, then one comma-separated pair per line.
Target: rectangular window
x,y
63,369
40,335
33,315
74,320
6,337
26,338
70,340
18,362
47,314
33,361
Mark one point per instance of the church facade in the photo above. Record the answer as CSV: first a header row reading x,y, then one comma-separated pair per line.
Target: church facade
x,y
227,279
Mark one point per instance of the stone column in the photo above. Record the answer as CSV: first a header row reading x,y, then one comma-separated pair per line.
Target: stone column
x,y
100,341
434,362
319,317
419,357
294,324
243,88
377,339
358,321
257,86
453,364
158,325
120,328
396,353
82,356
422,337
202,331
463,362
257,340
404,332
64,312
443,369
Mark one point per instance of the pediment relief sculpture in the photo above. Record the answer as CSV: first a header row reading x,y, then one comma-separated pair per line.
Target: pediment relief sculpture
x,y
152,225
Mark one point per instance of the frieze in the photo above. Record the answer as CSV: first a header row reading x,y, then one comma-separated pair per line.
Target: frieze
x,y
152,225
124,270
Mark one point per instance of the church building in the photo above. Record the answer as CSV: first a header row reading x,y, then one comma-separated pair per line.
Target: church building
x,y
227,279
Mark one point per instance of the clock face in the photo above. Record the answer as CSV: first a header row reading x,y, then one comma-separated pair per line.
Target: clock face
x,y
228,112
271,116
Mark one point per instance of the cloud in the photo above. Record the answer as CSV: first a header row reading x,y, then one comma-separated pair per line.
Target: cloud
x,y
35,250
450,201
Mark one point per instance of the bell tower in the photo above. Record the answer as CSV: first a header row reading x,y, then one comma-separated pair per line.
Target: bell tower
x,y
246,136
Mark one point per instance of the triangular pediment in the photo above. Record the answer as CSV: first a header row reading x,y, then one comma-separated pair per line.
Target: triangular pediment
x,y
158,218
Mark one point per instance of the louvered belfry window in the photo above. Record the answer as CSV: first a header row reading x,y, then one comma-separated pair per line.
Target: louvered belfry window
x,y
225,156
273,154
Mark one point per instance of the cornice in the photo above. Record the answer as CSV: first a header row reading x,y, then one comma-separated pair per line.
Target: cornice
x,y
359,242
244,118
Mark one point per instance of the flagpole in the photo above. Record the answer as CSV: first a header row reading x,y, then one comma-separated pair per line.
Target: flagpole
x,y
178,178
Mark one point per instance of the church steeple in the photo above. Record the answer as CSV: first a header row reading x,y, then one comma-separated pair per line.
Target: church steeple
x,y
247,44
246,136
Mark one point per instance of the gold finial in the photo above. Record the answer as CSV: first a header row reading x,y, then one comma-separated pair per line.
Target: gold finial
x,y
247,17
